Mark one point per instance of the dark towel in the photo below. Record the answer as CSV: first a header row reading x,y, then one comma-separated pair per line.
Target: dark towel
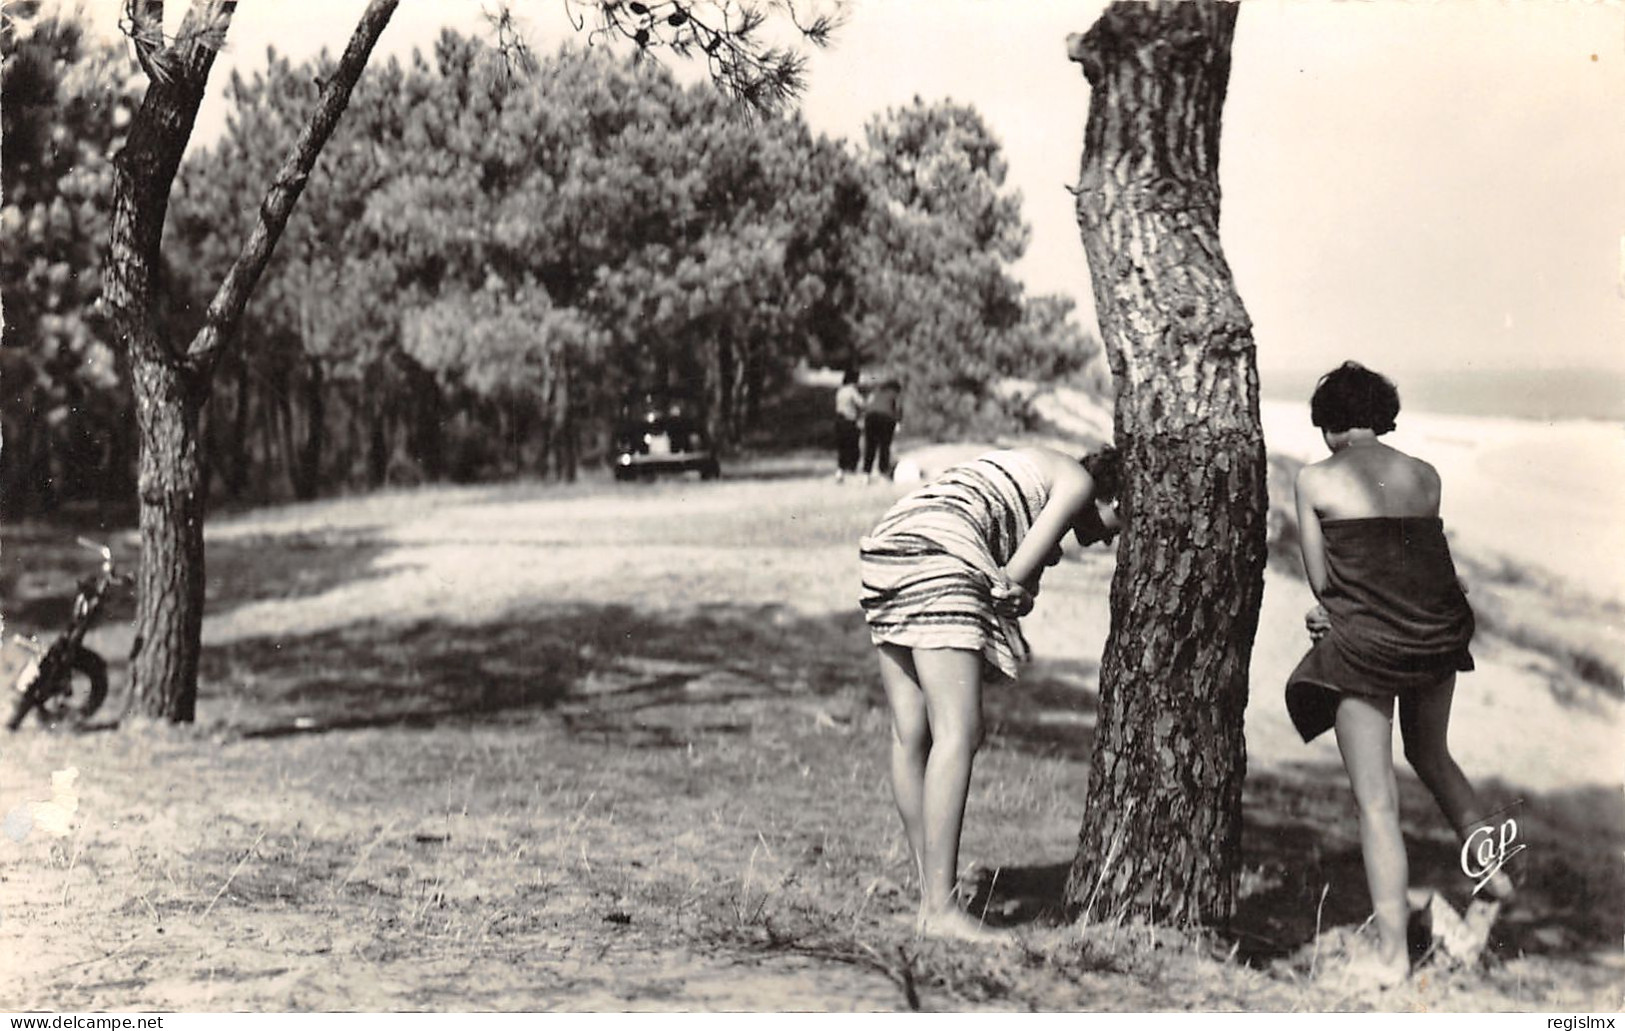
x,y
1400,620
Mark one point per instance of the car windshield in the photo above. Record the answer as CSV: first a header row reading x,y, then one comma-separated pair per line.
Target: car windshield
x,y
656,408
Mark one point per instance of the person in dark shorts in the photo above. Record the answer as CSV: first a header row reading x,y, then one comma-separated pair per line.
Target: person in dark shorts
x,y
882,412
1392,624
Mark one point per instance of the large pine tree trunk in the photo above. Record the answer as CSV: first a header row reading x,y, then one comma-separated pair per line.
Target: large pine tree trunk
x,y
171,381
168,395
169,616
1162,827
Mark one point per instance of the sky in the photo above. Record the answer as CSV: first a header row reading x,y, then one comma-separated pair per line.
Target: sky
x,y
1422,185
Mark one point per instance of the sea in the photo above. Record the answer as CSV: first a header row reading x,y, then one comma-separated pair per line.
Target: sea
x,y
1537,478
1542,395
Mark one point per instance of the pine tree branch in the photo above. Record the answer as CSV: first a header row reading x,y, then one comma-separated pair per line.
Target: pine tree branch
x,y
726,32
226,309
146,30
146,165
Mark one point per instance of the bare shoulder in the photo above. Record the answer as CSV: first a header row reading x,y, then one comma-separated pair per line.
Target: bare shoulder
x,y
1313,475
1428,483
1046,458
1419,472
1425,471
1324,485
1062,470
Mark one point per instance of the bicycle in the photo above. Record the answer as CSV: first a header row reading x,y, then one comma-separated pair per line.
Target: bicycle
x,y
66,682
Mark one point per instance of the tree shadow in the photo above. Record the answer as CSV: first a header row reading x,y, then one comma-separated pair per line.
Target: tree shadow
x,y
1302,870
600,669
272,567
44,564
1015,896
1302,874
1049,712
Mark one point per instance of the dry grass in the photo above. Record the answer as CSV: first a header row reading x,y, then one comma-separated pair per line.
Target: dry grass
x,y
623,749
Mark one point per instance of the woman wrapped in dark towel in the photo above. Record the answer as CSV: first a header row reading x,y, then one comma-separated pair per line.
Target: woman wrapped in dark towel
x,y
1393,623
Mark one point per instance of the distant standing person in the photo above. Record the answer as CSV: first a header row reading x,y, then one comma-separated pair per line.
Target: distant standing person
x,y
947,572
1393,623
848,424
882,412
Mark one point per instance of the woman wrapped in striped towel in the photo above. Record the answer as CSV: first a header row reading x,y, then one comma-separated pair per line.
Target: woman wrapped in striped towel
x,y
947,572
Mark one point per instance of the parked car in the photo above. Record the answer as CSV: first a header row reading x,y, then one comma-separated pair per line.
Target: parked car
x,y
662,433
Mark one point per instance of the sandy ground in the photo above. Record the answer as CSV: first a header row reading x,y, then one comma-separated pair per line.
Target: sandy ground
x,y
692,813
1547,497
439,563
1507,723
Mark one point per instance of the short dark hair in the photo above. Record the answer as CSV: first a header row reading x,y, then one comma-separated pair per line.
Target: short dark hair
x,y
1351,396
851,375
1105,467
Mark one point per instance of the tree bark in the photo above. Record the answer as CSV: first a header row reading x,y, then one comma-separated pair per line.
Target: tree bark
x,y
566,442
426,431
285,429
169,616
169,396
314,447
171,383
379,445
1162,828
239,450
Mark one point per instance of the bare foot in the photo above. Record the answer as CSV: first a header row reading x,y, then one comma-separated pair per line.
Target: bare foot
x,y
1499,888
1479,921
955,924
1371,970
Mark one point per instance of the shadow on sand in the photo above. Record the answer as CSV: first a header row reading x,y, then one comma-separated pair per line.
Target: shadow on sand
x,y
595,665
308,564
1049,712
615,672
43,565
1302,872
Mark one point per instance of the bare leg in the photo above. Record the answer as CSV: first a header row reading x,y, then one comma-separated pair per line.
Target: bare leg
x,y
910,743
951,680
1365,737
1424,723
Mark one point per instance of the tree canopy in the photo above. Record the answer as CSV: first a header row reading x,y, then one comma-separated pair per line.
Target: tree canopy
x,y
495,248
66,102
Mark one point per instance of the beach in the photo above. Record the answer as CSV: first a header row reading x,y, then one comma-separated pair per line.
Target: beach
x,y
1546,496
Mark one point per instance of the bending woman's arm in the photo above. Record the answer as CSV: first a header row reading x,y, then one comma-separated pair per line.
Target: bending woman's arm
x,y
1071,490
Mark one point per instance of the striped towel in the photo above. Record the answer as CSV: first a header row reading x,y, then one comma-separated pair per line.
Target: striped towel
x,y
929,565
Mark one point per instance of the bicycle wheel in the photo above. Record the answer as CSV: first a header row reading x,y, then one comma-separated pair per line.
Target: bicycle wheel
x,y
86,690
